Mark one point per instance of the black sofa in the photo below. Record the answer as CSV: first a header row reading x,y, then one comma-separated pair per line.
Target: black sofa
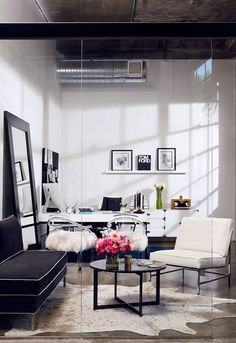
x,y
28,277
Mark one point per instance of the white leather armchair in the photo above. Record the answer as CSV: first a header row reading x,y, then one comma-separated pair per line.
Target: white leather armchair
x,y
202,243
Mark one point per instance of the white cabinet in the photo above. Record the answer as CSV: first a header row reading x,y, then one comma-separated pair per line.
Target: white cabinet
x,y
156,223
166,222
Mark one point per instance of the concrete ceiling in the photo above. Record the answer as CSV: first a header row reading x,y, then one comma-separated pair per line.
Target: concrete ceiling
x,y
191,11
138,10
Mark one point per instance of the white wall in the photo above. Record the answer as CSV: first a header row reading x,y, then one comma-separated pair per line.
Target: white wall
x,y
19,11
165,112
29,90
28,87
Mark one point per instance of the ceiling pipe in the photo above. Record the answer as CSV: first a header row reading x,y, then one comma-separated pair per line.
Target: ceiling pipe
x,y
69,72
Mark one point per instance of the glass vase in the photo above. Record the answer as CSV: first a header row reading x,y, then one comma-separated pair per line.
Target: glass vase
x,y
112,261
159,199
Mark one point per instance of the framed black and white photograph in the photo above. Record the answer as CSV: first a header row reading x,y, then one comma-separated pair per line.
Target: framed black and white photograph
x,y
19,171
121,160
166,159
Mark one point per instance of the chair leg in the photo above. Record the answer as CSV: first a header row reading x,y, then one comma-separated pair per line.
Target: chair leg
x,y
183,279
229,275
229,267
198,282
33,322
79,261
64,281
229,280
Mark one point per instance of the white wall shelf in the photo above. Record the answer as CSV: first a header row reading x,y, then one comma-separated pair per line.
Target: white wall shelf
x,y
150,172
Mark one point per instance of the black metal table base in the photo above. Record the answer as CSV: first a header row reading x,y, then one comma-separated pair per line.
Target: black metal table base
x,y
122,303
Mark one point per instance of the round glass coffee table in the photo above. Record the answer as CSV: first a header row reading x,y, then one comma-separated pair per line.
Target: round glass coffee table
x,y
146,266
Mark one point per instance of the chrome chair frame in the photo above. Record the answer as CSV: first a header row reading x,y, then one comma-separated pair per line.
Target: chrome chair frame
x,y
203,271
63,223
126,219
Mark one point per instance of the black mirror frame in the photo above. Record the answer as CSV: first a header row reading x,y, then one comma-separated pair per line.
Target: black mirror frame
x,y
10,192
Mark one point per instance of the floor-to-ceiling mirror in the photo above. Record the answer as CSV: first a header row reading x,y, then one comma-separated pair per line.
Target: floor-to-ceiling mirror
x,y
19,194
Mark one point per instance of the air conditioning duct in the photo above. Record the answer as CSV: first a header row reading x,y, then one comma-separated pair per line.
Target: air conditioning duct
x,y
69,71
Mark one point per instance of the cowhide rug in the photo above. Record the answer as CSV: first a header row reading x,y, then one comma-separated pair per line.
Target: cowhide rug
x,y
70,310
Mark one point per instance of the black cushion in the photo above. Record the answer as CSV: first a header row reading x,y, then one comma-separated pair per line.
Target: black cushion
x,y
24,303
27,278
30,272
111,204
10,238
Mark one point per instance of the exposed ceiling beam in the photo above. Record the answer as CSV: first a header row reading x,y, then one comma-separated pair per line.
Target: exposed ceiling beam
x,y
116,30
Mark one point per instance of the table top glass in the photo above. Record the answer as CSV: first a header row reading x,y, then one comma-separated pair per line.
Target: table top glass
x,y
138,266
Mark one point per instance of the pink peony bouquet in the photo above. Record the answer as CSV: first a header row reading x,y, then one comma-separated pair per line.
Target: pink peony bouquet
x,y
113,243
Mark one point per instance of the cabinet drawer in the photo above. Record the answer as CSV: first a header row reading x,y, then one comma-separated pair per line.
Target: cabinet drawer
x,y
157,214
155,228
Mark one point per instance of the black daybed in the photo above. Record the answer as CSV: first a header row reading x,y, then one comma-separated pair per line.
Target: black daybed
x,y
27,278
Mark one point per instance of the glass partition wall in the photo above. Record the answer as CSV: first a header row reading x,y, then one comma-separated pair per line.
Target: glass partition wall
x,y
105,107
31,90
153,99
171,101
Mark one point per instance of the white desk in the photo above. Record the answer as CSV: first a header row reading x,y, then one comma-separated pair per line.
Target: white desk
x,y
94,217
159,223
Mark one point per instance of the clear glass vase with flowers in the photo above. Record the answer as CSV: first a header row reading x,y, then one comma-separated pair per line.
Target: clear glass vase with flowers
x,y
112,244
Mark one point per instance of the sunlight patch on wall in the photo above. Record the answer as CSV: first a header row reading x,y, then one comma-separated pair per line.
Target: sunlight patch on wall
x,y
215,179
214,135
178,117
200,191
199,141
181,142
213,202
215,158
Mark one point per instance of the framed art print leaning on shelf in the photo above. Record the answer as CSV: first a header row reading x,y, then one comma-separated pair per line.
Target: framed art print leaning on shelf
x,y
121,160
166,159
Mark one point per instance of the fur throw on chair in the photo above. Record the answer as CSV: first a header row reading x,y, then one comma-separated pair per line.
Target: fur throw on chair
x,y
70,241
138,241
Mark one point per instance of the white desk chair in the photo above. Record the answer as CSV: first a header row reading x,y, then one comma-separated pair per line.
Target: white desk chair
x,y
132,227
202,243
69,236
